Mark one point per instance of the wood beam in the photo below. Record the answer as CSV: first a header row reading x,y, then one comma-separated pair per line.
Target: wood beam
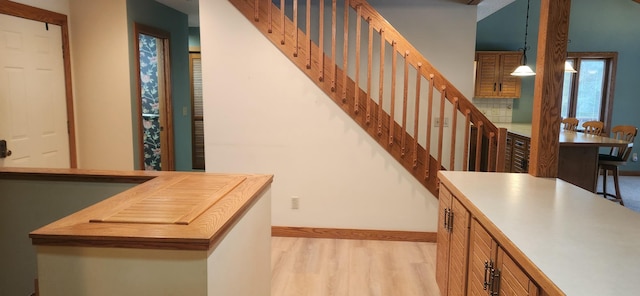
x,y
547,94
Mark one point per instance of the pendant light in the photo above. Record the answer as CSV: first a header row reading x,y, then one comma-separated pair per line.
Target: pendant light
x,y
568,68
524,70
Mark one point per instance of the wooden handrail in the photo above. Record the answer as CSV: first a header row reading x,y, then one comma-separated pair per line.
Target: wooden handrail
x,y
359,103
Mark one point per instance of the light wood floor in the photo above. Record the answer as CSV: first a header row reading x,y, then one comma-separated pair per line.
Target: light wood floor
x,y
326,267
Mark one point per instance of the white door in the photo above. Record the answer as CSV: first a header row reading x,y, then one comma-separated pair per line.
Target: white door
x,y
33,118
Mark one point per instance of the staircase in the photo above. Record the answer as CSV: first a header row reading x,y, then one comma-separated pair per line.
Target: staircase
x,y
400,103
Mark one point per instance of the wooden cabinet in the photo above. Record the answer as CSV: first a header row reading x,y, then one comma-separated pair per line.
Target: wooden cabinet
x,y
453,238
492,271
493,74
517,153
470,261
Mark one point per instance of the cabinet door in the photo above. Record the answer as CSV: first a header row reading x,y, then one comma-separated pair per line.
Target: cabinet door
x,y
443,237
488,69
493,75
458,249
511,280
520,154
453,245
509,86
482,250
508,151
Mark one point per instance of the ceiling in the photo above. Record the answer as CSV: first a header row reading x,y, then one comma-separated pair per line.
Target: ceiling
x,y
190,8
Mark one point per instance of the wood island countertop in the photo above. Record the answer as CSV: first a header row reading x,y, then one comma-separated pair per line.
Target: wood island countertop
x,y
167,210
582,243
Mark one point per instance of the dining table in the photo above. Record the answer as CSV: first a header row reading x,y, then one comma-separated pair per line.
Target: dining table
x,y
578,157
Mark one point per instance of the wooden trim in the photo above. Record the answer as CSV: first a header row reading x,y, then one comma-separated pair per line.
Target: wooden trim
x,y
37,14
629,173
361,234
77,175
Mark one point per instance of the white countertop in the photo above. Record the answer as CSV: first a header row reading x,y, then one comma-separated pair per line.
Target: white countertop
x,y
585,244
523,129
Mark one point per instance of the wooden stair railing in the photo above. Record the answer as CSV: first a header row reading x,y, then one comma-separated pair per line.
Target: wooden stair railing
x,y
483,143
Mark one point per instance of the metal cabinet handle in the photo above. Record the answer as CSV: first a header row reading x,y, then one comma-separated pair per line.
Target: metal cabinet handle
x,y
446,219
495,282
485,282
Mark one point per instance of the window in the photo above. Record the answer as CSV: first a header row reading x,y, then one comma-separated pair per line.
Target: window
x,y
588,94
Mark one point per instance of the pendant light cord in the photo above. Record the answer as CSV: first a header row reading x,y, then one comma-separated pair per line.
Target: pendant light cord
x,y
526,30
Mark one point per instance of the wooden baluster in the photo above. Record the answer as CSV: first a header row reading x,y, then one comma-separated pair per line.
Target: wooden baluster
x,y
467,130
501,149
492,153
308,29
334,20
427,146
295,28
356,103
416,118
478,146
270,11
345,51
256,11
443,95
392,120
321,42
369,69
454,123
383,44
405,102
282,23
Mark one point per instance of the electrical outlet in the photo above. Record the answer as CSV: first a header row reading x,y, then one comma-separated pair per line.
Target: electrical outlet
x,y
635,157
437,122
295,202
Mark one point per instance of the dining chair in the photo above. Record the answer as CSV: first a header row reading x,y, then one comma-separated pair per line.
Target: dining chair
x,y
617,156
593,127
570,124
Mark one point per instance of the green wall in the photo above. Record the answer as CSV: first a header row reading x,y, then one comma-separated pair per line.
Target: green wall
x,y
194,36
595,25
154,14
28,205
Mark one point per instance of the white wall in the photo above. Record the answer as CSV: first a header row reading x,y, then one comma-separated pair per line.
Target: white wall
x,y
263,115
444,31
101,77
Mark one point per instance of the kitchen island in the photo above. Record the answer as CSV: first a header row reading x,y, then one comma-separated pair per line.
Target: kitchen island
x,y
563,240
577,156
175,233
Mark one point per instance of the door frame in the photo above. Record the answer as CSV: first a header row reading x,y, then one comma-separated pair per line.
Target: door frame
x,y
37,14
166,115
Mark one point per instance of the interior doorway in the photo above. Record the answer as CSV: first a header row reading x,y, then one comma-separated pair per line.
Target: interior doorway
x,y
154,99
36,103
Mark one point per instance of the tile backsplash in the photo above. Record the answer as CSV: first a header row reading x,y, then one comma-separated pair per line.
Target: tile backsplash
x,y
497,110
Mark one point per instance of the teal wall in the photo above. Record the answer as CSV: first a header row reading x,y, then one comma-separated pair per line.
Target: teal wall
x,y
154,14
194,37
595,25
27,205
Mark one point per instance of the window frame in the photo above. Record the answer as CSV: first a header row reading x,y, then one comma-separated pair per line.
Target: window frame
x,y
611,61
